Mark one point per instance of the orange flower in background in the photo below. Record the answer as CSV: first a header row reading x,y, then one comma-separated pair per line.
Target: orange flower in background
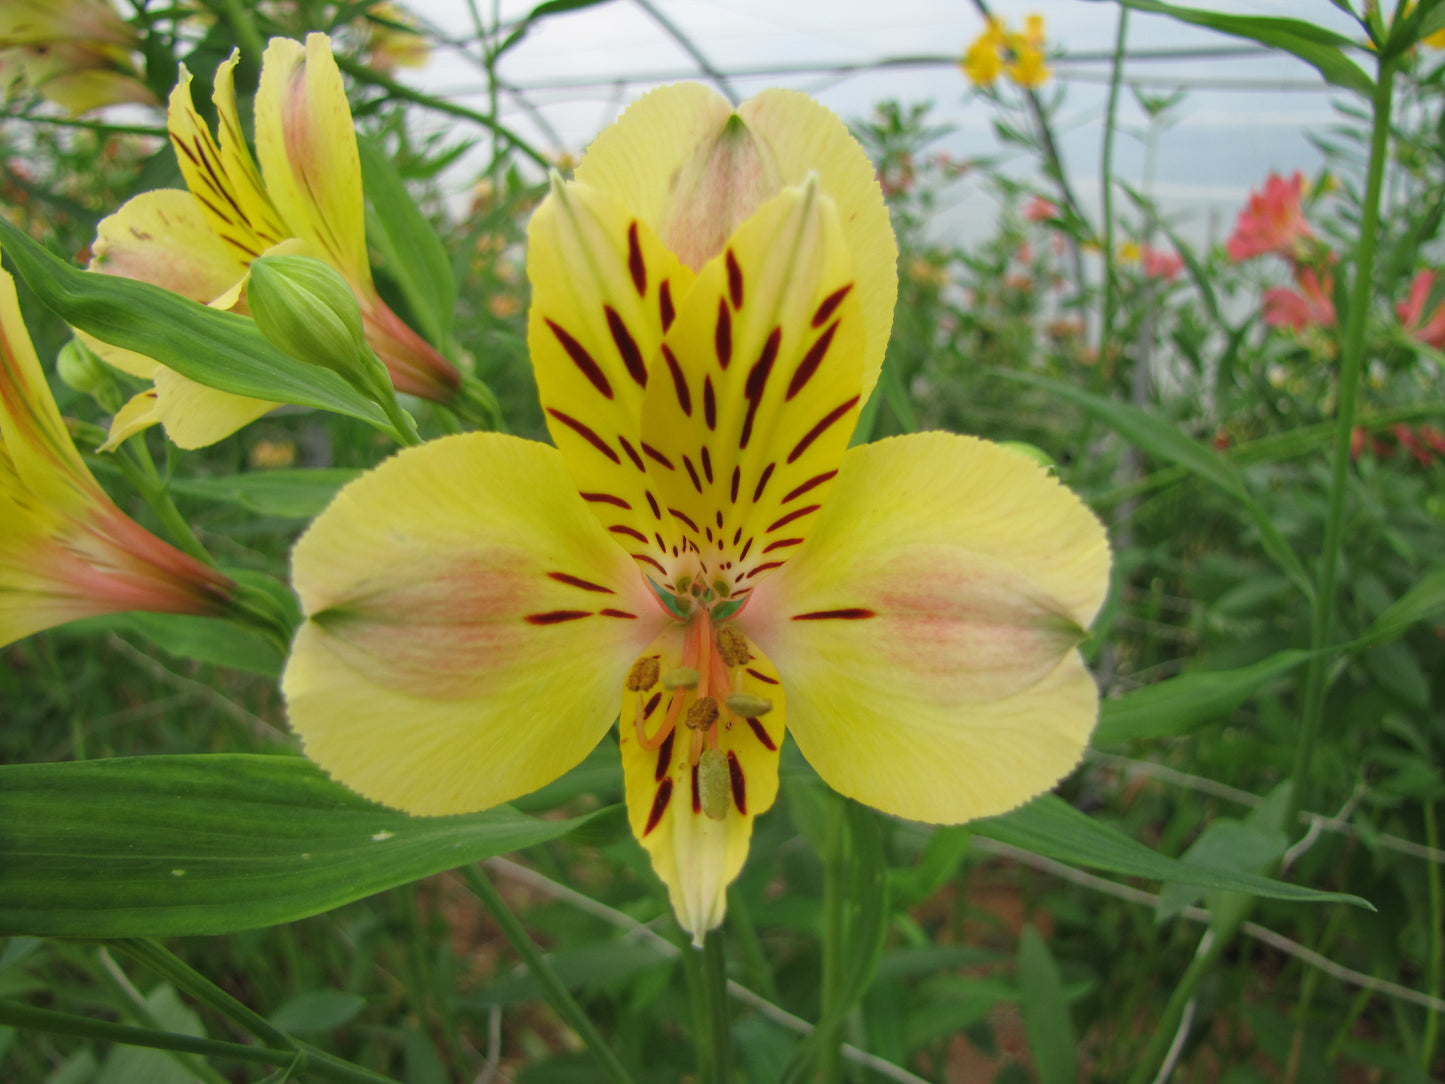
x,y
1161,264
1411,312
1309,306
66,550
1272,221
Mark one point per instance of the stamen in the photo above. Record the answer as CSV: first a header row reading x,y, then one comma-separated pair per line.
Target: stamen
x,y
682,677
747,706
702,714
643,675
732,645
714,784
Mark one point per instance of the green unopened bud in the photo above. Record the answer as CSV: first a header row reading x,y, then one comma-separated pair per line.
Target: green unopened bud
x,y
714,783
305,308
81,370
1038,455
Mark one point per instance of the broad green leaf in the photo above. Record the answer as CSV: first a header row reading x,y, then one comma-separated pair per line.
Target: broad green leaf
x,y
218,349
317,1010
288,494
1160,438
1045,1011
1051,827
414,254
1425,599
1176,706
1322,49
173,845
205,639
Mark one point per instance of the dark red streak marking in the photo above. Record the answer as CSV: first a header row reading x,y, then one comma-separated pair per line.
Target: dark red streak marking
x,y
706,465
758,381
797,513
735,280
679,381
653,454
578,581
583,360
855,613
634,262
740,785
763,482
692,473
618,613
737,478
664,304
709,403
816,480
818,430
631,453
830,305
659,805
722,338
664,757
763,678
585,432
606,498
626,346
651,706
781,543
696,797
811,360
650,560
746,546
762,735
684,517
556,617
652,503
763,568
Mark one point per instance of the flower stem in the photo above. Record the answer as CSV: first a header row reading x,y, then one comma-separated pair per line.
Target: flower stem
x,y
553,988
1435,917
1106,188
1211,945
1323,624
715,994
140,469
830,1054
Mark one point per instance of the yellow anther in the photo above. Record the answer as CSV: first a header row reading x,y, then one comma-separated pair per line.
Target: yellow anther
x,y
714,783
702,713
643,674
732,646
683,677
748,706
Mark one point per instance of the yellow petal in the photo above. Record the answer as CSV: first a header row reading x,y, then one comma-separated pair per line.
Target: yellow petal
x,y
136,415
165,238
195,415
642,159
925,631
696,855
747,417
603,291
470,625
306,142
222,178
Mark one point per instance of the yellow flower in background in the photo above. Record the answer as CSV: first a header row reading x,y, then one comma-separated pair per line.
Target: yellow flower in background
x,y
1129,252
305,198
711,300
75,53
66,550
998,50
394,39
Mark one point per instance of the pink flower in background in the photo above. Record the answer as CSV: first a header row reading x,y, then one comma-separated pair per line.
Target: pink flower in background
x,y
1271,222
1039,209
1310,306
1430,331
1161,264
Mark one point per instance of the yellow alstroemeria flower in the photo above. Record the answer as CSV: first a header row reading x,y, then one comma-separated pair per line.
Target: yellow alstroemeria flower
x,y
305,198
76,53
66,550
711,300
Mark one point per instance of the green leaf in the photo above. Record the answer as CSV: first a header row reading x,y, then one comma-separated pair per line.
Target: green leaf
x,y
288,494
1045,1011
414,254
317,1010
1051,827
218,349
136,1064
1178,705
1424,600
1322,49
173,845
205,639
1161,439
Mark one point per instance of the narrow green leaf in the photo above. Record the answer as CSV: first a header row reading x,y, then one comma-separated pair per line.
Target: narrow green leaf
x,y
205,639
288,494
137,1065
1051,827
317,1010
1045,1011
1425,599
218,349
172,845
1160,438
1318,47
414,254
1178,705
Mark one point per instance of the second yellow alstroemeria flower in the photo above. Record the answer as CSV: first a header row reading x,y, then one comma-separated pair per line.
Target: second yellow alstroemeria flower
x,y
711,301
66,551
304,199
76,53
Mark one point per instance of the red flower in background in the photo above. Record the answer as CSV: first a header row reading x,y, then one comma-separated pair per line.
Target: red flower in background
x,y
1410,311
1271,222
1310,306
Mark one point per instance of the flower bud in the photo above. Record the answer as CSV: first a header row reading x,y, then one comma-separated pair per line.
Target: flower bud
x,y
81,370
305,308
